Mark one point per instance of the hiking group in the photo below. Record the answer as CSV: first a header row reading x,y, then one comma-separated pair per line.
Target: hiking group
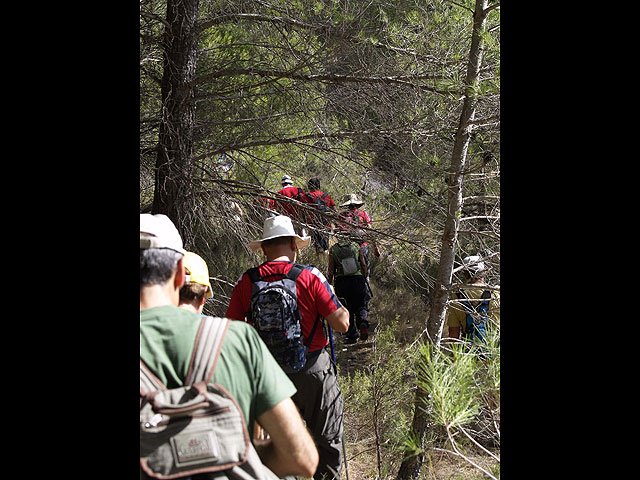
x,y
253,394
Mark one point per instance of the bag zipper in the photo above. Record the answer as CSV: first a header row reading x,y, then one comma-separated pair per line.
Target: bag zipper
x,y
159,418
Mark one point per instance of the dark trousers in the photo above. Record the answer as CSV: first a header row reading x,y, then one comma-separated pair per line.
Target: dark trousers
x,y
320,240
321,405
353,290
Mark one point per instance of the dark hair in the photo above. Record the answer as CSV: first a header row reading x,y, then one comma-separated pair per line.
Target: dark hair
x,y
193,291
276,241
157,265
314,184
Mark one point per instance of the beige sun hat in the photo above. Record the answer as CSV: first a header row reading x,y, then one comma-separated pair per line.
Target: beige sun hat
x,y
352,199
279,226
158,231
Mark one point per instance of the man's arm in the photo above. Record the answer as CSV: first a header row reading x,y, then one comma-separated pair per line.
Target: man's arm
x,y
339,319
363,264
290,450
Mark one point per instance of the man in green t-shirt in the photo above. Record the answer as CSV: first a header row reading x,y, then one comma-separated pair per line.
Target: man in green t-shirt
x,y
245,367
348,266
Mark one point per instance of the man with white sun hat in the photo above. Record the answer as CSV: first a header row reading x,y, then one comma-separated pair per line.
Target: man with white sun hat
x,y
318,395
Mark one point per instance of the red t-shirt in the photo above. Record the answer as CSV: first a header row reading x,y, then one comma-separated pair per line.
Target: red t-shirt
x,y
328,201
312,290
359,217
287,208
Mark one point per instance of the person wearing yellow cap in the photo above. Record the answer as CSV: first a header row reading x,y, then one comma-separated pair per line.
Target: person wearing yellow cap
x,y
197,288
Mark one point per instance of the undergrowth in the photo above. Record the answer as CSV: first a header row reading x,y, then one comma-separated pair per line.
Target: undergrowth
x,y
379,381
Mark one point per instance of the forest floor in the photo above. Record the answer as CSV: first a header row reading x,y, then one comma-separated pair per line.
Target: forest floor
x,y
358,356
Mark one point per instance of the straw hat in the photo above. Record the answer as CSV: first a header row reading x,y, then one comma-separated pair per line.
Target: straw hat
x,y
352,199
279,226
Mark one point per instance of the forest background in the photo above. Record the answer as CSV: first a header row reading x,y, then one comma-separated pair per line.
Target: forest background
x,y
398,102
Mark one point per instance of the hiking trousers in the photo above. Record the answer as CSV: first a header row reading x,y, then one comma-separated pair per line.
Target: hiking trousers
x,y
353,289
321,405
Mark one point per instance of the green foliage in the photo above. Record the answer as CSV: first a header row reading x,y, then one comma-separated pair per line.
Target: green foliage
x,y
462,382
449,379
378,402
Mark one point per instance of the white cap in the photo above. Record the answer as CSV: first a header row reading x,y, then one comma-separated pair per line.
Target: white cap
x,y
286,179
473,263
158,231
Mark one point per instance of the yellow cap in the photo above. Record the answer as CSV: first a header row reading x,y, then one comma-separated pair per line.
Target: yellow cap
x,y
197,271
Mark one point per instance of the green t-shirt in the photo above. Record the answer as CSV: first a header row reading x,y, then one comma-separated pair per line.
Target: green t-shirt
x,y
349,251
245,367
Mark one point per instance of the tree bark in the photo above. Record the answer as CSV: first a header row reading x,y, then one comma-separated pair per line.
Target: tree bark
x,y
410,467
173,187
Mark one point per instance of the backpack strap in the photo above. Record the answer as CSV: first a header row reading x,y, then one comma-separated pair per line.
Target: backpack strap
x,y
254,274
206,349
471,305
294,272
313,331
148,381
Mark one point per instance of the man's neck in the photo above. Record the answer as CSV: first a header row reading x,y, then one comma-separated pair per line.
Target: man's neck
x,y
157,296
281,258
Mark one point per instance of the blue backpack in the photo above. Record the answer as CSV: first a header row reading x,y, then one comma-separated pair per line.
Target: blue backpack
x,y
275,315
476,315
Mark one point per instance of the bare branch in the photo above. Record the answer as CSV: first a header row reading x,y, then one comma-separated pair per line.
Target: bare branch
x,y
405,80
203,25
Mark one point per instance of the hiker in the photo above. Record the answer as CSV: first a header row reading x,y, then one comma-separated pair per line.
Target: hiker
x,y
295,193
469,303
347,265
197,288
354,215
323,203
245,368
318,398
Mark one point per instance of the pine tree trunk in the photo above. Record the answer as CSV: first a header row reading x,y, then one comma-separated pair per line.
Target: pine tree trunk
x,y
172,194
410,467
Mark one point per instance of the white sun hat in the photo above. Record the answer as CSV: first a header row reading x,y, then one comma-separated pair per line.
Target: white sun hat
x,y
351,199
279,226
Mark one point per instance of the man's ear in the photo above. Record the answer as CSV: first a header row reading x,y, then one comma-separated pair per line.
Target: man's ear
x,y
178,279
